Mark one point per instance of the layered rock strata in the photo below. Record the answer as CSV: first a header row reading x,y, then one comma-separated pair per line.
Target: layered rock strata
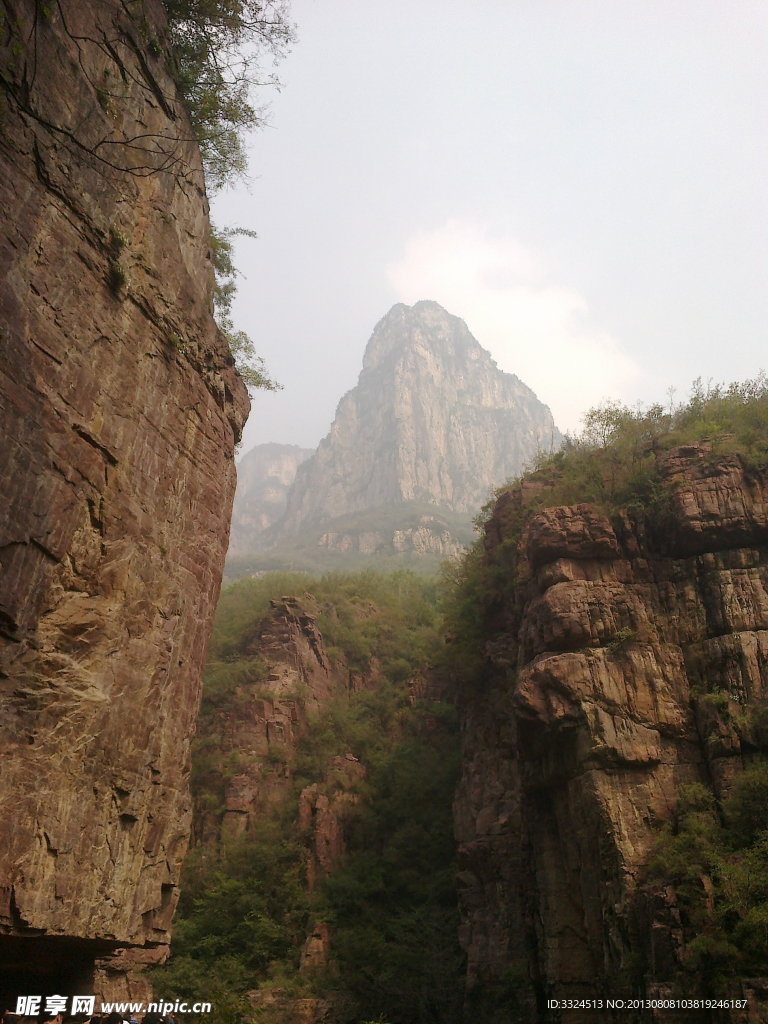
x,y
590,715
430,536
119,411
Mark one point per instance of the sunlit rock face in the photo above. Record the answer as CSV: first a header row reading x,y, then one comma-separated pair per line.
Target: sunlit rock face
x,y
264,477
432,419
591,715
119,411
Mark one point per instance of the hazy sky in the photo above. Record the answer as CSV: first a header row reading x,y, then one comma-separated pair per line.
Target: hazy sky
x,y
583,181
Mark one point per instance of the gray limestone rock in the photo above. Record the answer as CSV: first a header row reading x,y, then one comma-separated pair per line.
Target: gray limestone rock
x,y
264,478
432,419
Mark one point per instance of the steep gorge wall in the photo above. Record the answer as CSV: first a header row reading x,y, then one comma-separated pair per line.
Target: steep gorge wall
x,y
590,715
119,411
256,738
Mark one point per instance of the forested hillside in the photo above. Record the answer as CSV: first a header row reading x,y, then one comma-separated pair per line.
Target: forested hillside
x,y
380,897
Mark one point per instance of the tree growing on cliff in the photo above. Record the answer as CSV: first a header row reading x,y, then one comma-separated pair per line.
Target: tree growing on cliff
x,y
716,860
219,52
250,366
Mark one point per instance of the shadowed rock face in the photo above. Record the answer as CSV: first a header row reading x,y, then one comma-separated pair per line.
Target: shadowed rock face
x,y
119,411
588,722
432,419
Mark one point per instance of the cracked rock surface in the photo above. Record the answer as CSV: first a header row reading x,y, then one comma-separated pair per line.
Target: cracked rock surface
x,y
119,411
590,717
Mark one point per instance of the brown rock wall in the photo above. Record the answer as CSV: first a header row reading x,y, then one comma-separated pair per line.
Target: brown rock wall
x,y
575,752
119,410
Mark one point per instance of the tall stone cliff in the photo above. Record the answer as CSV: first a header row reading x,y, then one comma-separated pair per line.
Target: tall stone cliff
x,y
119,411
264,478
432,420
594,707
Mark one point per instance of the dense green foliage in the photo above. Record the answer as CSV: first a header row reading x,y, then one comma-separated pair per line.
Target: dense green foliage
x,y
717,860
218,52
613,462
613,465
242,911
245,909
393,908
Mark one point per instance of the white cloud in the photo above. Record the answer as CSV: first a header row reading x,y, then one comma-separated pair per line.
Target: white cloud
x,y
532,328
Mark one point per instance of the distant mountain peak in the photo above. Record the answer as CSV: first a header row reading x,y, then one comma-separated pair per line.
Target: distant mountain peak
x,y
264,476
432,423
432,419
425,323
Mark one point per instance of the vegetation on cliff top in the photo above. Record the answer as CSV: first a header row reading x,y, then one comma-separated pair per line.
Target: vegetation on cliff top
x,y
218,53
614,465
245,909
613,462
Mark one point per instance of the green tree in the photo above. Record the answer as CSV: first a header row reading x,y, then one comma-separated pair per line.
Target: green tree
x,y
219,55
219,52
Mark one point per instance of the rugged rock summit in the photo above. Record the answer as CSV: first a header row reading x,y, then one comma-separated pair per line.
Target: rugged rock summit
x,y
416,448
264,477
431,420
627,663
119,411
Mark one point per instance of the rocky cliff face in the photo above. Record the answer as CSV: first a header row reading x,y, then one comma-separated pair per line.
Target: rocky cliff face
x,y
264,478
119,411
262,730
432,419
592,712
